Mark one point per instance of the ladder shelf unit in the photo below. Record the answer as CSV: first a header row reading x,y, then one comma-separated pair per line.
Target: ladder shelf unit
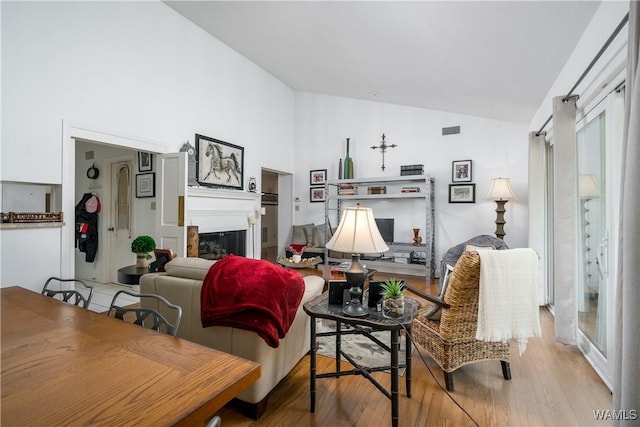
x,y
421,196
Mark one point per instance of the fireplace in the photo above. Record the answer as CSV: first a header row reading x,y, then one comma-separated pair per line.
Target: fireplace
x,y
217,245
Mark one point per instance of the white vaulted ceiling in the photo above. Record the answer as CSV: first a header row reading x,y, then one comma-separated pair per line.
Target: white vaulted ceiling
x,y
488,59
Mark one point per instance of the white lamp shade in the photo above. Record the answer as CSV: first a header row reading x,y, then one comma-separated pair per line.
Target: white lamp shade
x,y
588,187
357,233
500,189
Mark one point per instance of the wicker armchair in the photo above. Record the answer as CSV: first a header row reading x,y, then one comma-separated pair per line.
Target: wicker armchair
x,y
451,340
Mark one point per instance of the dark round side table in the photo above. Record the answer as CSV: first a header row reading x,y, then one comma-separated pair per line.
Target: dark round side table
x,y
130,275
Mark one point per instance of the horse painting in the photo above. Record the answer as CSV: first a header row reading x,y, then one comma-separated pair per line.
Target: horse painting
x,y
220,164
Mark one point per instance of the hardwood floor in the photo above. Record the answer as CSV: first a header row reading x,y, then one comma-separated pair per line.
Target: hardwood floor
x,y
552,385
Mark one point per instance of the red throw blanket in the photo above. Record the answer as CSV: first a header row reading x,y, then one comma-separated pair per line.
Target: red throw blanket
x,y
251,294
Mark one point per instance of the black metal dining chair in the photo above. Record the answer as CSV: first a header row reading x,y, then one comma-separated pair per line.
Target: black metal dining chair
x,y
72,296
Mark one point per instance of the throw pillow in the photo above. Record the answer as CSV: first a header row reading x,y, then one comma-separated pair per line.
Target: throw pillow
x,y
320,236
434,312
299,235
308,232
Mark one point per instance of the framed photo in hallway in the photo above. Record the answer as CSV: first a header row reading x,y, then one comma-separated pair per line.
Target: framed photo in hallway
x,y
144,161
220,164
145,185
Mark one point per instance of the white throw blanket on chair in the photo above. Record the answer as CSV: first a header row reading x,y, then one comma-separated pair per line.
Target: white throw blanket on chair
x,y
508,296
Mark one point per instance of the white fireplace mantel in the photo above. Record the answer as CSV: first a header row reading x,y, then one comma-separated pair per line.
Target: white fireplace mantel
x,y
218,210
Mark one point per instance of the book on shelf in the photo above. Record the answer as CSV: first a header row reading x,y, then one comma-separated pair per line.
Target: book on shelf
x,y
401,260
411,170
410,190
347,189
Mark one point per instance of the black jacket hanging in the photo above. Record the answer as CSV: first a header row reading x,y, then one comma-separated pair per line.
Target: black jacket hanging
x,y
87,227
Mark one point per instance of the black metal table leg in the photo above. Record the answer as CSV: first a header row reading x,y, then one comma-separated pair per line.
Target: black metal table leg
x,y
408,359
395,347
312,365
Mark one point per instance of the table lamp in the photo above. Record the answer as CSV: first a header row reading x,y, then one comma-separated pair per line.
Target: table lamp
x,y
357,233
500,191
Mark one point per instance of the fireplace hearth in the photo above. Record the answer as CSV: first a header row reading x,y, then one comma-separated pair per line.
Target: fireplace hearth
x,y
217,245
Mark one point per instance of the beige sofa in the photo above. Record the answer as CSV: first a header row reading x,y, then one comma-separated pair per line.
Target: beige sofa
x,y
181,284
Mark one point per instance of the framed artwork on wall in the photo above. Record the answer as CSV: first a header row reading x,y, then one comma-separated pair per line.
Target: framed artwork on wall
x,y
316,194
318,177
145,185
144,161
220,164
461,171
462,193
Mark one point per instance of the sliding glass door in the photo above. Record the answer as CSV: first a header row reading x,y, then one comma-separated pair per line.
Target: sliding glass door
x,y
599,141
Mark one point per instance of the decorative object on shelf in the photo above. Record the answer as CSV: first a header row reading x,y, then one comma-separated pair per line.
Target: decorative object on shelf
x,y
93,172
142,246
392,292
31,217
191,163
252,184
377,189
383,148
417,240
462,193
145,185
348,164
461,171
500,191
357,233
144,161
317,194
318,177
220,164
340,169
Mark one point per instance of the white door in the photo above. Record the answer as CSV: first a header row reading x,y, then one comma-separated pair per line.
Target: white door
x,y
171,191
120,211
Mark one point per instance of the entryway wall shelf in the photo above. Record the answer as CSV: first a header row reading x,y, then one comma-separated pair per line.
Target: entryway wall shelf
x,y
421,196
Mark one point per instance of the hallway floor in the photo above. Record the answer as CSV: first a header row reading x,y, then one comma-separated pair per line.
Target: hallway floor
x,y
103,294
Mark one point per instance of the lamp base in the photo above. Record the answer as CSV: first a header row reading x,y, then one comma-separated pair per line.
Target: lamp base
x,y
355,310
355,275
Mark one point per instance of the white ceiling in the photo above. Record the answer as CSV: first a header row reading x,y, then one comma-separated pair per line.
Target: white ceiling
x,y
488,59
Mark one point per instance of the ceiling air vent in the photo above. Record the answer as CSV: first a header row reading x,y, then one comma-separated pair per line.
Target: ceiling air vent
x,y
453,130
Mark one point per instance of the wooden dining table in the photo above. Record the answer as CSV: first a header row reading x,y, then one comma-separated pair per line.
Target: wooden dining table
x,y
64,365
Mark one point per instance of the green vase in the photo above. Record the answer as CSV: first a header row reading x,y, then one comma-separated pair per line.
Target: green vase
x,y
348,164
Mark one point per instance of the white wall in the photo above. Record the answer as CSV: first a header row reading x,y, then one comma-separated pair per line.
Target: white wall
x,y
496,148
133,68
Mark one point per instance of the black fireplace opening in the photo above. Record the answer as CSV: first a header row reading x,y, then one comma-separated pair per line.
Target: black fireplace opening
x,y
217,245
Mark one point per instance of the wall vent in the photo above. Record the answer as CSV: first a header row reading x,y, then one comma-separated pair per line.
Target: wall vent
x,y
452,130
88,155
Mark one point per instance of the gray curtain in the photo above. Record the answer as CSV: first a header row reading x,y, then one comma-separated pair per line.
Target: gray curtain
x,y
537,207
626,391
564,218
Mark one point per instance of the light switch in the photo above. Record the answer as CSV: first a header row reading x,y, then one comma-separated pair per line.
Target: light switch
x,y
153,206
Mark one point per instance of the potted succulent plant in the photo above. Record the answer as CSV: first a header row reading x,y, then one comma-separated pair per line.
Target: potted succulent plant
x,y
392,291
142,246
